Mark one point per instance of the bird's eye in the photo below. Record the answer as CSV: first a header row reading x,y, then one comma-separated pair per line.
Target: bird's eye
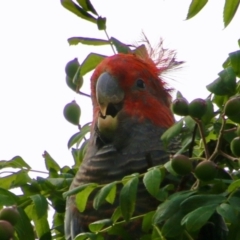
x,y
140,83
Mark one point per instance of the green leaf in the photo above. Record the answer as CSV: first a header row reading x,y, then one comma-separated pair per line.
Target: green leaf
x,y
228,213
24,227
172,132
235,61
206,118
147,221
234,202
42,228
169,207
229,10
6,182
172,226
16,179
90,62
87,41
195,7
197,218
78,137
74,8
98,225
227,63
16,162
82,197
40,204
234,186
128,198
111,195
87,6
77,189
225,84
86,235
79,153
220,100
102,194
50,163
7,198
197,201
116,214
121,47
152,180
101,23
22,178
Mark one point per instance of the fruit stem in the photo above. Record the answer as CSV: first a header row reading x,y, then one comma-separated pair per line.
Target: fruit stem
x,y
200,126
219,141
121,222
84,94
195,185
228,156
230,130
110,41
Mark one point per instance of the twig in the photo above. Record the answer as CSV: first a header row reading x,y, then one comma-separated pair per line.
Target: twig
x,y
110,41
84,94
228,156
230,130
200,126
219,142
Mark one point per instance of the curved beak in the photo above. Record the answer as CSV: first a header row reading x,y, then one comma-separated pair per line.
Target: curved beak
x,y
109,95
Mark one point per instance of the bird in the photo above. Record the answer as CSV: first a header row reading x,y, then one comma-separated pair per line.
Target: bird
x,y
131,110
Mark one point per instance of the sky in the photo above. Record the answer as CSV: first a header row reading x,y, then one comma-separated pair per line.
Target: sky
x,y
34,51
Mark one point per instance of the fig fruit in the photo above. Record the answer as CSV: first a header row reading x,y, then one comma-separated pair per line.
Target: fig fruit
x,y
72,67
206,170
180,106
10,214
6,230
72,112
181,164
232,109
235,146
197,108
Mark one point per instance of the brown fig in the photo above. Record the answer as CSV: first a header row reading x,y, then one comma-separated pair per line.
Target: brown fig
x,y
6,230
180,106
10,214
197,108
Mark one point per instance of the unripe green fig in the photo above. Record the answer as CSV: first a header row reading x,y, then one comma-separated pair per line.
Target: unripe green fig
x,y
235,146
72,67
6,230
10,214
181,164
232,109
72,112
206,170
180,106
197,108
69,82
